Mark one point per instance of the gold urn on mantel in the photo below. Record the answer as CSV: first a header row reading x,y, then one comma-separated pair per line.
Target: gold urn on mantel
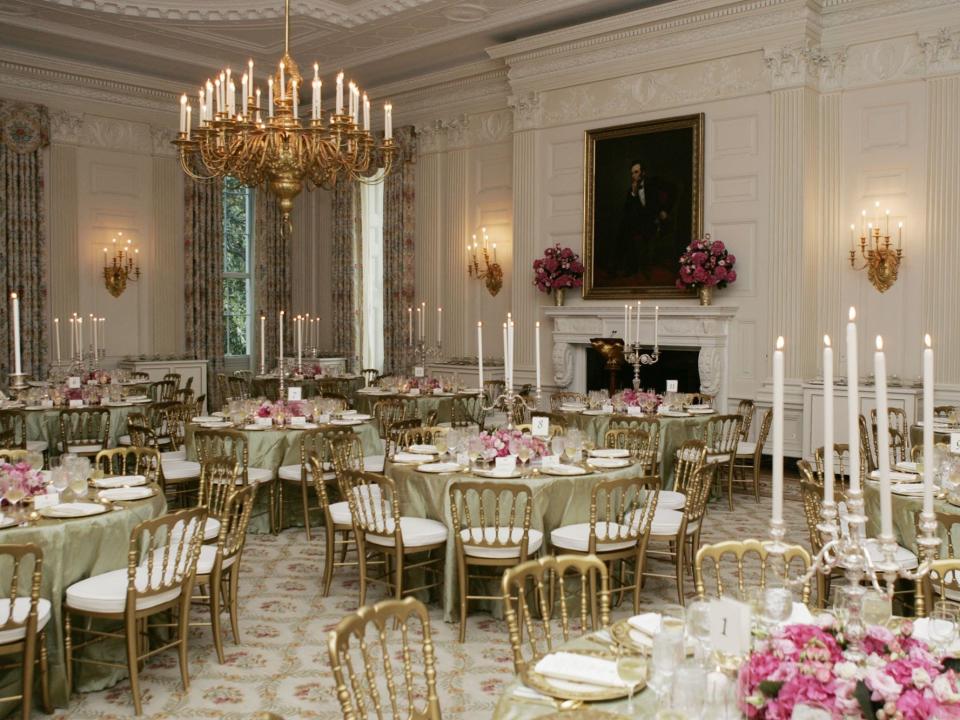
x,y
705,293
559,295
611,349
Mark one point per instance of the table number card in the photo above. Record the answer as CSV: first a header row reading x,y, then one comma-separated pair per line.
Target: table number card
x,y
955,443
463,459
540,426
294,394
607,408
671,386
264,421
323,418
634,410
76,403
507,464
730,627
414,391
298,421
418,371
73,382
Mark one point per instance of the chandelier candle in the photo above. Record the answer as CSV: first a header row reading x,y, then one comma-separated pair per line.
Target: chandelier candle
x,y
827,421
340,93
480,353
777,519
928,469
883,441
853,402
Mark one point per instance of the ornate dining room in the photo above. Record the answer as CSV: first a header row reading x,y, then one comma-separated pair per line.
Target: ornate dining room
x,y
480,359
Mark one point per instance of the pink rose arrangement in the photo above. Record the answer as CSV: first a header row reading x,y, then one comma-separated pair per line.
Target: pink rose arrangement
x,y
289,408
22,477
706,263
425,384
637,398
558,268
315,372
804,665
497,443
100,376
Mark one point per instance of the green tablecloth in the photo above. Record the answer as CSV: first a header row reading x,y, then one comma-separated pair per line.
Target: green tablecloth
x,y
268,386
556,501
939,436
426,404
673,433
905,510
45,424
74,550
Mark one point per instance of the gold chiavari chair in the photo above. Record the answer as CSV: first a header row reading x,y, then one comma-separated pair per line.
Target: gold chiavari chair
x,y
899,433
130,461
339,402
178,476
381,532
13,432
247,375
749,455
300,474
163,390
174,378
678,531
841,468
186,396
467,411
750,550
868,457
239,388
374,672
531,585
218,477
25,616
161,581
84,431
745,409
223,390
631,439
336,517
386,412
370,376
565,397
940,582
492,389
621,516
491,529
233,444
201,404
650,424
944,411
688,459
811,492
721,434
401,438
218,566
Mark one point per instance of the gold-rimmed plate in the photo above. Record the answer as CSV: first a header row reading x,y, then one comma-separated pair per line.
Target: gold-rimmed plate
x,y
583,713
623,633
495,474
69,511
127,494
570,690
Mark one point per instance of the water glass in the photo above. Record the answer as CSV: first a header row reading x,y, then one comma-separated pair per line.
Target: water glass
x,y
632,669
777,606
698,627
34,459
557,445
665,656
876,607
689,683
942,626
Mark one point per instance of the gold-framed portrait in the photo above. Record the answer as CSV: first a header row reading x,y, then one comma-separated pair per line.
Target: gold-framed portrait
x,y
643,204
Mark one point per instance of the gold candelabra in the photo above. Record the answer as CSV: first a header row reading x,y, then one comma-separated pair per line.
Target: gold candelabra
x,y
272,146
879,258
492,274
122,268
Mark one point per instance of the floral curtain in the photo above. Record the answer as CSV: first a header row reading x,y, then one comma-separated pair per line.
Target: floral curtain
x,y
272,279
24,133
347,269
399,213
203,255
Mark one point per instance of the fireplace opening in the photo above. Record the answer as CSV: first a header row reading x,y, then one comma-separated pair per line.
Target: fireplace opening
x,y
676,363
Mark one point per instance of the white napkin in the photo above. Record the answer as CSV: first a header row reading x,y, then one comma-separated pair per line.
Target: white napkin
x,y
564,470
800,615
580,669
895,476
603,463
647,623
915,488
71,509
610,453
405,457
424,449
439,467
120,481
907,466
123,493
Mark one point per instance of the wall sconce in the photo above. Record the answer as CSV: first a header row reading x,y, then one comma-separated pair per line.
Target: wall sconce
x,y
492,275
881,261
122,268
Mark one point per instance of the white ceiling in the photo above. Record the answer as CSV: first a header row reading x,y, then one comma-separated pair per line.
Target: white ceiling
x,y
375,41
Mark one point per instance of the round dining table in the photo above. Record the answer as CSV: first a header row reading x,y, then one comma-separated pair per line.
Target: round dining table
x,y
268,386
674,431
442,403
73,550
557,501
44,423
905,510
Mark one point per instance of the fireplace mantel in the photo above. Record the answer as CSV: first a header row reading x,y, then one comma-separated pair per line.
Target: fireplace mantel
x,y
693,326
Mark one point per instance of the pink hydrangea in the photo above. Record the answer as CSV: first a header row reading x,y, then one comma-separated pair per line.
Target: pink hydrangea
x,y
706,263
558,268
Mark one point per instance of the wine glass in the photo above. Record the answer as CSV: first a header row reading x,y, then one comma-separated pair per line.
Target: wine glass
x,y
777,605
474,449
569,451
698,627
440,443
843,599
942,626
34,459
524,452
632,669
557,445
665,656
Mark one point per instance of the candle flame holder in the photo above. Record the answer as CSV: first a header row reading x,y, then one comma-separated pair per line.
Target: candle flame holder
x,y
637,358
507,401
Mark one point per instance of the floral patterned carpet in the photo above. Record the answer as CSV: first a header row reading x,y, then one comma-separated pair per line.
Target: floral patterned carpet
x,y
282,665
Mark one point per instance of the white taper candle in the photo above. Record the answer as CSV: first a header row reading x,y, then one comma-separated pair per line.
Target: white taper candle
x,y
928,465
883,440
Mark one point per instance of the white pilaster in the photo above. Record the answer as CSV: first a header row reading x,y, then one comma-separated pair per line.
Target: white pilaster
x,y
167,265
832,257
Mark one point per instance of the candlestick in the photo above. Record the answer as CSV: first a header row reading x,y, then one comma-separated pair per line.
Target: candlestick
x,y
56,335
410,326
80,337
656,327
263,343
537,353
928,466
340,93
423,320
626,324
299,341
480,353
777,519
827,421
16,334
280,362
439,325
73,339
636,330
853,402
419,325
883,441
93,332
506,359
103,335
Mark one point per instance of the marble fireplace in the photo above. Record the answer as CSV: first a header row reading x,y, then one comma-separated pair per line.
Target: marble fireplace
x,y
705,329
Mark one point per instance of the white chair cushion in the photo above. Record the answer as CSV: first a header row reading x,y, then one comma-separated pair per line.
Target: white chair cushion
x,y
671,500
21,607
37,446
666,521
84,449
174,455
208,555
746,449
124,440
416,532
503,535
715,459
373,463
259,475
107,592
292,472
577,537
340,512
180,469
211,530
906,559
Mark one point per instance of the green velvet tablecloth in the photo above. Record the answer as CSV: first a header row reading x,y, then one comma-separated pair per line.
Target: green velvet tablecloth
x,y
673,433
74,550
556,501
905,510
45,424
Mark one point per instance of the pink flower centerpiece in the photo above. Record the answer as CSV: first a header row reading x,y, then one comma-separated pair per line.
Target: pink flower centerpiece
x,y
901,678
281,409
497,443
635,398
706,263
424,384
22,477
558,269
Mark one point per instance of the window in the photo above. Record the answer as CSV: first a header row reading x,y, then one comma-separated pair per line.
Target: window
x,y
371,292
237,262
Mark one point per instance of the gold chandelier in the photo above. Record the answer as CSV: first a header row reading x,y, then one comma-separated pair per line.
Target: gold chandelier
x,y
271,146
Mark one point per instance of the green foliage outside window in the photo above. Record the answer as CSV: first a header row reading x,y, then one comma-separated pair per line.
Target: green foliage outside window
x,y
237,300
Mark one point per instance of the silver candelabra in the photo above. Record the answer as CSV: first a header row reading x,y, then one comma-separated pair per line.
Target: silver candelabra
x,y
423,352
507,400
637,359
